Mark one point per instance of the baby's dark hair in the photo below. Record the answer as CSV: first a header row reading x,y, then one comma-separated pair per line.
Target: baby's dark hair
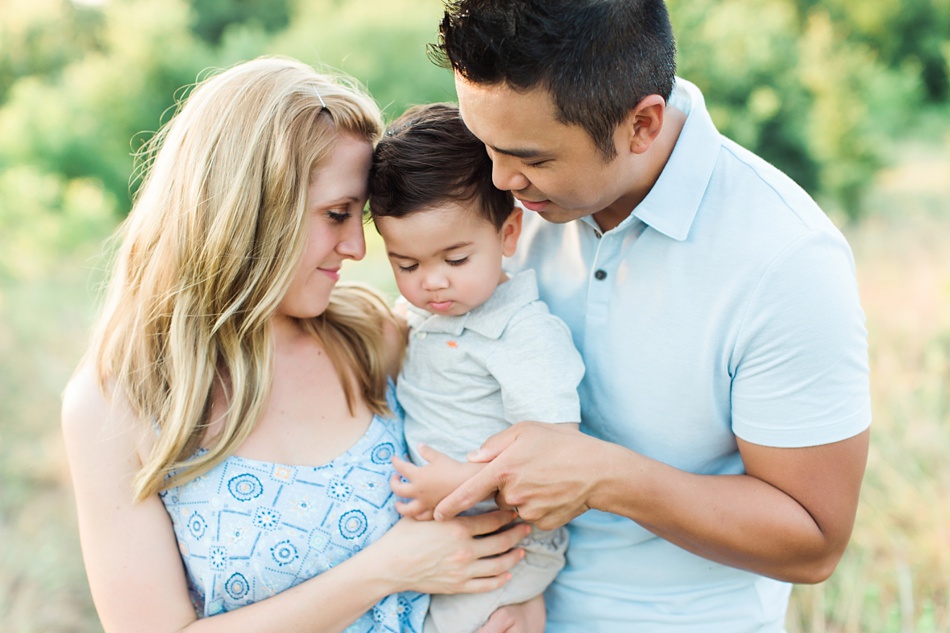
x,y
598,58
428,156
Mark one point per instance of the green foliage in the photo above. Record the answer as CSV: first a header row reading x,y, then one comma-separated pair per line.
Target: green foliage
x,y
46,217
214,17
381,42
907,34
819,89
41,37
796,90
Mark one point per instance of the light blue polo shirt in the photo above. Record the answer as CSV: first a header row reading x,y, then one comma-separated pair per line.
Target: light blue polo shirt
x,y
725,305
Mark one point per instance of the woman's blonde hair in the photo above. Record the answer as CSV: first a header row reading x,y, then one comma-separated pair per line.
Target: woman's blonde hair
x,y
209,250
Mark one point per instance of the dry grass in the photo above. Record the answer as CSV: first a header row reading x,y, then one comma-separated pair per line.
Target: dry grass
x,y
895,577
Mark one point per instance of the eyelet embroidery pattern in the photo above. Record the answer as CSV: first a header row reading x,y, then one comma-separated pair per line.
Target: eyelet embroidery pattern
x,y
245,487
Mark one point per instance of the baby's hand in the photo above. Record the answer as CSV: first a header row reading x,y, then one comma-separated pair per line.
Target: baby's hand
x,y
425,486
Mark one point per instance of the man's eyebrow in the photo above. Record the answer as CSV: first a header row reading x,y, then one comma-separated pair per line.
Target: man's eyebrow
x,y
518,152
444,250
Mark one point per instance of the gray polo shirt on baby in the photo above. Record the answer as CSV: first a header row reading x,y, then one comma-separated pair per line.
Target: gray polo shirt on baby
x,y
468,377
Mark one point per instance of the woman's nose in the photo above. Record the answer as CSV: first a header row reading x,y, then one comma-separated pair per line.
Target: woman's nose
x,y
352,243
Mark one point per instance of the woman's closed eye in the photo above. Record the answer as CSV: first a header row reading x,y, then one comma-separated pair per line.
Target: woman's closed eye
x,y
339,215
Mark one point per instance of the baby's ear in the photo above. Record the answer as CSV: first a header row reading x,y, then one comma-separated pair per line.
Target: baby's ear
x,y
511,231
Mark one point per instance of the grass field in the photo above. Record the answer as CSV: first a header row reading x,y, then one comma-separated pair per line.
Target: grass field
x,y
895,577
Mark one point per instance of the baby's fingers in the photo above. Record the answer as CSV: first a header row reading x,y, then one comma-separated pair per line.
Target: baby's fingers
x,y
404,468
401,487
414,510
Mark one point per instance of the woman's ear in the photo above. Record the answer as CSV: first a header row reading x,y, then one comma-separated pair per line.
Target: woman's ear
x,y
510,231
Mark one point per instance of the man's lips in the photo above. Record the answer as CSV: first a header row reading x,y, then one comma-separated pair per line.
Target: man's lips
x,y
534,206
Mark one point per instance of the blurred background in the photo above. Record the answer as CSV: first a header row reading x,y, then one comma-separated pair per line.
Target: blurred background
x,y
849,97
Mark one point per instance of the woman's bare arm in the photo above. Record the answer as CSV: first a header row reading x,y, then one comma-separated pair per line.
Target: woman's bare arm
x,y
135,571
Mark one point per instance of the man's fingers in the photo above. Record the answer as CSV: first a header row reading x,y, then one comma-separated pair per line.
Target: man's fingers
x,y
488,522
493,539
480,486
494,445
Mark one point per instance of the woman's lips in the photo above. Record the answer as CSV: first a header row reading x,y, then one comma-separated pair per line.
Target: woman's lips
x,y
332,273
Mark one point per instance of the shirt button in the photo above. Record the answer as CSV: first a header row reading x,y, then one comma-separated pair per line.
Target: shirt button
x,y
421,335
597,234
600,275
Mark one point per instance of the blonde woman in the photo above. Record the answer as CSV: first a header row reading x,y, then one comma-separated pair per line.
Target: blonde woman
x,y
230,430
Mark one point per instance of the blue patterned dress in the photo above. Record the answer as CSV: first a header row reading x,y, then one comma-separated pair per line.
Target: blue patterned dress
x,y
250,529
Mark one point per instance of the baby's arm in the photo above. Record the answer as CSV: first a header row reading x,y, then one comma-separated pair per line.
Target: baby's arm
x,y
425,486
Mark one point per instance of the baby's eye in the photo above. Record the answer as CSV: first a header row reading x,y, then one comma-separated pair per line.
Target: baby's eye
x,y
456,262
408,268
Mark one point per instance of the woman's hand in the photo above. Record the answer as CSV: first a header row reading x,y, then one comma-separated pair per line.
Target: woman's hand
x,y
469,554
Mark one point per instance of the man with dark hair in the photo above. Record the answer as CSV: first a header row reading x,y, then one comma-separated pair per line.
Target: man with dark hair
x,y
726,402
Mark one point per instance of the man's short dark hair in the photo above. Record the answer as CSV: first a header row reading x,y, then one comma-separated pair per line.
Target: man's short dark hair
x,y
428,156
597,58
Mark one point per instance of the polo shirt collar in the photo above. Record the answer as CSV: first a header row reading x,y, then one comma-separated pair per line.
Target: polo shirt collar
x,y
672,203
489,319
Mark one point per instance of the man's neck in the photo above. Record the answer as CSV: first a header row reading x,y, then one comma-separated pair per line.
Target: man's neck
x,y
645,172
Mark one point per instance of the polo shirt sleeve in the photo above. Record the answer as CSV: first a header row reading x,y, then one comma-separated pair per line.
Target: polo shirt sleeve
x,y
538,370
800,364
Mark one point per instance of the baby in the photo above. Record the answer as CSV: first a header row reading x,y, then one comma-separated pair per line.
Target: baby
x,y
484,352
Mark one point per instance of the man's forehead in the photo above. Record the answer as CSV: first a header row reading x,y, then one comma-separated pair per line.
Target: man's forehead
x,y
512,122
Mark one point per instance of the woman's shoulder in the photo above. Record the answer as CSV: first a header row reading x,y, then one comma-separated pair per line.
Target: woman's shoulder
x,y
84,403
93,411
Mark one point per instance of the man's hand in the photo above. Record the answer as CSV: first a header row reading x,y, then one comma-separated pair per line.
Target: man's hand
x,y
425,486
546,471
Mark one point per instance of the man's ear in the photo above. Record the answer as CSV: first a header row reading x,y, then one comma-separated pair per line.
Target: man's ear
x,y
643,123
510,231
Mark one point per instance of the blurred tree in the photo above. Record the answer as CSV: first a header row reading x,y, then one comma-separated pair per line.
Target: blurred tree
x,y
48,219
381,42
40,37
908,35
796,91
78,123
214,17
805,84
88,119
